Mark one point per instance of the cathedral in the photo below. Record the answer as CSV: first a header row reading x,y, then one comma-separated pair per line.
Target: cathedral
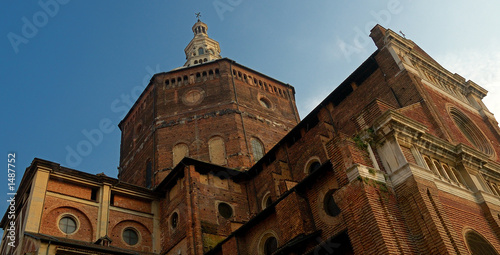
x,y
401,158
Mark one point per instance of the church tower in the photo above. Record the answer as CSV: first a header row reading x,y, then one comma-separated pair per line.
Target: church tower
x,y
212,109
201,48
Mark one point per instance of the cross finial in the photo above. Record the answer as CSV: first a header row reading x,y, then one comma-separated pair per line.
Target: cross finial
x,y
401,32
198,15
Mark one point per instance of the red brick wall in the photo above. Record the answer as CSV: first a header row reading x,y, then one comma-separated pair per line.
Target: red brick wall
x,y
420,113
175,203
438,220
70,189
441,104
205,199
137,145
55,208
29,245
249,243
119,221
134,172
408,155
136,204
230,108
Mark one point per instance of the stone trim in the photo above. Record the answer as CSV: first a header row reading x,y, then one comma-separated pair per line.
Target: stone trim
x,y
132,212
362,171
73,199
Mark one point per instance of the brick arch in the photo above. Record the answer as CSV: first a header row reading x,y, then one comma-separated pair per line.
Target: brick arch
x,y
257,244
179,151
477,243
309,162
50,224
145,239
217,149
303,162
470,131
258,148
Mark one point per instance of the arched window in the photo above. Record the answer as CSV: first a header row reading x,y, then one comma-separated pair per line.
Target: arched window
x,y
257,149
268,244
430,165
179,151
217,150
201,51
440,169
314,166
330,206
450,173
493,188
496,189
478,245
470,131
266,200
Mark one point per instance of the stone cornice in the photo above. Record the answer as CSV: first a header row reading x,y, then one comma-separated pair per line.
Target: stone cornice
x,y
406,46
491,169
392,120
414,133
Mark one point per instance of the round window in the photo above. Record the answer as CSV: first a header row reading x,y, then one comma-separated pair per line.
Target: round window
x,y
130,236
67,225
331,207
225,210
174,220
471,132
264,102
193,96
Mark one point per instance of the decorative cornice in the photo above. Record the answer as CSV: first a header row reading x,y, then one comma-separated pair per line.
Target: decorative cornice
x,y
392,120
410,131
406,46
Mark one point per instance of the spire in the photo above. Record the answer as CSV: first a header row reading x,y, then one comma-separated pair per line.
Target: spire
x,y
202,48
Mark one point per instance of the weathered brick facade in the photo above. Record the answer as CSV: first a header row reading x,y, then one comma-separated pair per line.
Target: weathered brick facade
x,y
192,105
401,158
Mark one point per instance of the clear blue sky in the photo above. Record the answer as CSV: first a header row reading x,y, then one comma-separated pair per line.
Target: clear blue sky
x,y
63,65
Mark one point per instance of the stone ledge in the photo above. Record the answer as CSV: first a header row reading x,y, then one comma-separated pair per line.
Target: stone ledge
x,y
358,170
